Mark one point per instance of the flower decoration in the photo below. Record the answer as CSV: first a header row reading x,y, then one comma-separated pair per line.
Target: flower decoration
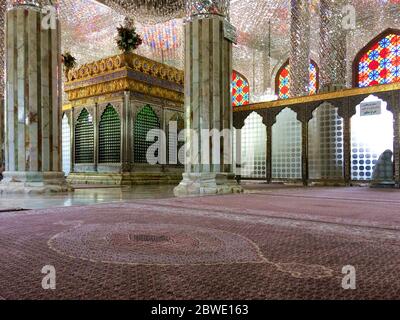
x,y
127,39
68,61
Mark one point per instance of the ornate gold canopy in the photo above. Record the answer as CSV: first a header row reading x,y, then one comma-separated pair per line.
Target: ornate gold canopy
x,y
125,72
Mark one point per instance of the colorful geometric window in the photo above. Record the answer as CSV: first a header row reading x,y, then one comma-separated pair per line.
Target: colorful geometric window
x,y
110,136
313,86
164,38
283,85
240,90
146,120
379,62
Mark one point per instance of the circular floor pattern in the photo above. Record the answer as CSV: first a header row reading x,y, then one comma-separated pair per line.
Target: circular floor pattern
x,y
160,244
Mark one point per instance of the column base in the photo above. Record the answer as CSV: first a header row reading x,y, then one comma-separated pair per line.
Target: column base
x,y
33,182
201,184
125,179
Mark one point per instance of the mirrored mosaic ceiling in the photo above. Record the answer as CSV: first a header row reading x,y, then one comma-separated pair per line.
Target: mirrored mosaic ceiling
x,y
88,31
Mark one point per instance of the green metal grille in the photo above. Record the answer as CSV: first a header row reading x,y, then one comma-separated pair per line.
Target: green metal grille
x,y
110,136
84,138
146,120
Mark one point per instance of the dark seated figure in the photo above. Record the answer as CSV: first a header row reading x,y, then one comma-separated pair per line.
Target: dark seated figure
x,y
383,171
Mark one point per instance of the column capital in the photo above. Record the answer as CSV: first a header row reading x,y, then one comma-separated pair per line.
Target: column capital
x,y
31,4
201,9
18,3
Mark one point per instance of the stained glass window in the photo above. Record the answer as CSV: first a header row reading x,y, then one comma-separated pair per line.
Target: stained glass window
x,y
313,86
379,62
84,138
110,136
240,90
164,39
146,120
283,84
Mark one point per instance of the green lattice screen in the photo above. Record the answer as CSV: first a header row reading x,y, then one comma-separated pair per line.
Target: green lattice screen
x,y
110,136
84,138
146,120
173,144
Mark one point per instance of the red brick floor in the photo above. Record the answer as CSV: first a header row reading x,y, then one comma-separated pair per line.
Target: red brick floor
x,y
275,243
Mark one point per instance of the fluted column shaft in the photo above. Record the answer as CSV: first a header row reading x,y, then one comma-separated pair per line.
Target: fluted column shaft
x,y
208,106
207,88
2,65
33,118
299,48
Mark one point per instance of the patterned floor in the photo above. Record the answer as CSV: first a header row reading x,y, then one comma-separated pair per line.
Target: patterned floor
x,y
275,243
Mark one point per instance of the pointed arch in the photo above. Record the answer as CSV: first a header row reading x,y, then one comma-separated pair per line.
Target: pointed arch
x,y
110,136
66,143
84,138
282,84
145,121
286,146
326,143
379,61
240,88
370,137
253,148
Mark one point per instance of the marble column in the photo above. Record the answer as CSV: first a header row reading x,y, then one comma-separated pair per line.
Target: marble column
x,y
2,65
1,134
33,117
299,59
208,68
333,45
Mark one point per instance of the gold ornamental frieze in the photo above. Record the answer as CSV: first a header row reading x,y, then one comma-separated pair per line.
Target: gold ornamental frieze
x,y
319,97
125,72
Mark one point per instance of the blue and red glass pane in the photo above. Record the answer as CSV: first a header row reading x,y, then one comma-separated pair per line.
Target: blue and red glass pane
x,y
240,90
284,85
313,79
381,63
